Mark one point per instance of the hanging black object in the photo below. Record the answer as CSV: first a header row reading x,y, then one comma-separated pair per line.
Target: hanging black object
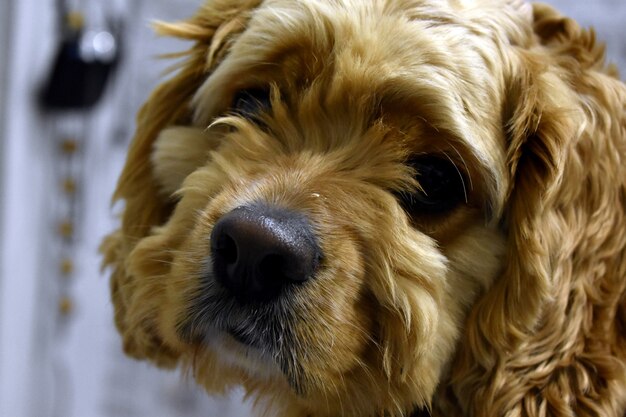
x,y
82,66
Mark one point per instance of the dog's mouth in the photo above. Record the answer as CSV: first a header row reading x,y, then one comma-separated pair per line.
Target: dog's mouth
x,y
247,338
261,257
255,303
263,327
218,321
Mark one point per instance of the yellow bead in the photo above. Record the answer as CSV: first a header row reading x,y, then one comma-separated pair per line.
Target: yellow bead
x,y
66,306
69,186
67,267
66,229
69,146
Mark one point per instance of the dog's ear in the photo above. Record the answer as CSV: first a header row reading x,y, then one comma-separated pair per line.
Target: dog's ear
x,y
562,115
137,251
545,116
541,123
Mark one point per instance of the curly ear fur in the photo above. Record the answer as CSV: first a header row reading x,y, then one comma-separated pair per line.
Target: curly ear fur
x,y
146,193
548,339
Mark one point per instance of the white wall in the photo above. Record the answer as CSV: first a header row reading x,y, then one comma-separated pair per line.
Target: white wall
x,y
22,181
56,366
5,31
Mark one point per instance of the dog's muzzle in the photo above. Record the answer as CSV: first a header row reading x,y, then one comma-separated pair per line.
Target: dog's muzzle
x,y
258,250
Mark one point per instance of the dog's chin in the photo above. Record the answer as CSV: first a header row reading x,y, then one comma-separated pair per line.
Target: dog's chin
x,y
251,339
242,352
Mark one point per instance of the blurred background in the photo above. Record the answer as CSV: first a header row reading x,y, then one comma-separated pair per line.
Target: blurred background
x,y
65,124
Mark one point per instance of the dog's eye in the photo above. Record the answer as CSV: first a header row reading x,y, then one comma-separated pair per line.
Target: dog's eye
x,y
250,102
443,186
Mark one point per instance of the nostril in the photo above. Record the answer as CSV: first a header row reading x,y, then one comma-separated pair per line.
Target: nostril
x,y
226,249
274,266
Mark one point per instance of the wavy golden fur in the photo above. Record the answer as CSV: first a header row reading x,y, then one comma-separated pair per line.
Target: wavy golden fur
x,y
513,304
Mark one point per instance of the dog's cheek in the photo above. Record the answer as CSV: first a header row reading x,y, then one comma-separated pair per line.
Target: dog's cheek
x,y
143,295
386,324
336,355
337,321
475,260
185,289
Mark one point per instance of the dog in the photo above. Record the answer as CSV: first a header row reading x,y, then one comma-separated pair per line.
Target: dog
x,y
381,208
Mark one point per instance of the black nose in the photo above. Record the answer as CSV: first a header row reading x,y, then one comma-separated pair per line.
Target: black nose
x,y
258,250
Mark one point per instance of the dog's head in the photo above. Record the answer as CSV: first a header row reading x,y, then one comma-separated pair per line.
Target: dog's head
x,y
317,199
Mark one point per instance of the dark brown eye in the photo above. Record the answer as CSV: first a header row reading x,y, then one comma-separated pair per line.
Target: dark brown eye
x,y
443,186
249,103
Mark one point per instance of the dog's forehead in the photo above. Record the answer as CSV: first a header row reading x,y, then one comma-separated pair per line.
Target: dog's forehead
x,y
389,42
436,57
383,39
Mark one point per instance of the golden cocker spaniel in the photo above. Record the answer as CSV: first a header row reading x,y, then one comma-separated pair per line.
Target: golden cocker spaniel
x,y
369,208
